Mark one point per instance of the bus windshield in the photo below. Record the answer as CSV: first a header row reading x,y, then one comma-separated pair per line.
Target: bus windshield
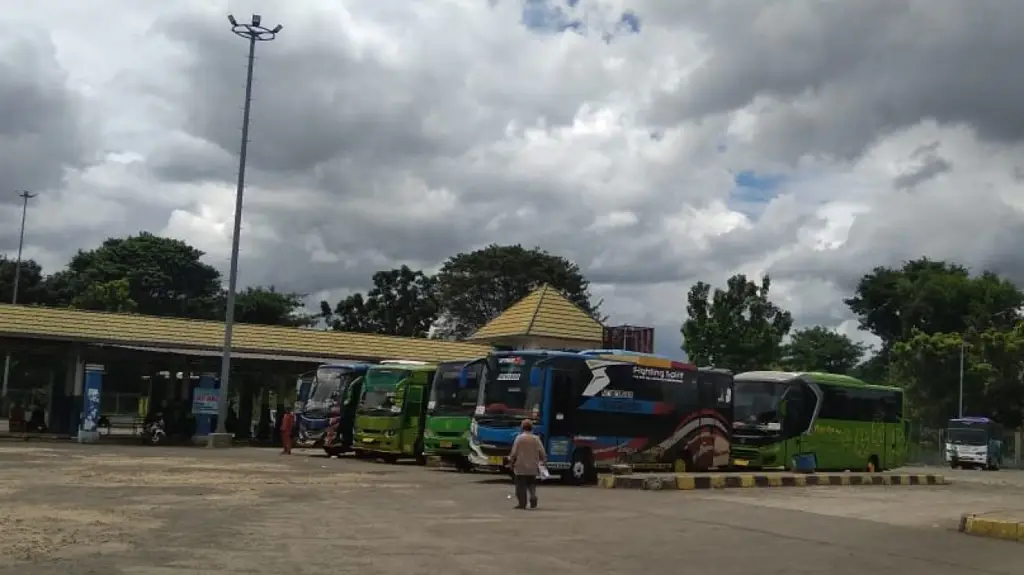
x,y
508,392
379,387
329,384
966,436
446,397
756,405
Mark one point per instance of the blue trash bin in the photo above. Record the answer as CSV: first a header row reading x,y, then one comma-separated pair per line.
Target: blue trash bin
x,y
804,463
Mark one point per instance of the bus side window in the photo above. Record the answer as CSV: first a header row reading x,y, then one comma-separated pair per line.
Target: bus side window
x,y
707,393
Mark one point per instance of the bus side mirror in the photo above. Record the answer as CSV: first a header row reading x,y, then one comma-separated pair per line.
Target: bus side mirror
x,y
536,377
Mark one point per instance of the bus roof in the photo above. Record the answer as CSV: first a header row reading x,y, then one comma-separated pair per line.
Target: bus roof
x,y
814,376
971,420
353,365
721,370
408,366
644,359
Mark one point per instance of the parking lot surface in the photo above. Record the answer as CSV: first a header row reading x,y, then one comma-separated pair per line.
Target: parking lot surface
x,y
105,509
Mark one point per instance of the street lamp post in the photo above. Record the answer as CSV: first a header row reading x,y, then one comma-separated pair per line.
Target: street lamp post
x,y
253,32
25,197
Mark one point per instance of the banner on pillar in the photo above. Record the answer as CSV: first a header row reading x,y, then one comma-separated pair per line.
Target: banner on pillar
x,y
205,401
91,400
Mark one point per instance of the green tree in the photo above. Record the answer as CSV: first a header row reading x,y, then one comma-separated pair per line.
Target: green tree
x,y
928,366
166,277
113,296
475,287
267,306
401,302
821,349
738,328
932,297
32,287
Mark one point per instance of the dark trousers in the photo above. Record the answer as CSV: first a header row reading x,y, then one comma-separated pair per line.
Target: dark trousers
x,y
526,485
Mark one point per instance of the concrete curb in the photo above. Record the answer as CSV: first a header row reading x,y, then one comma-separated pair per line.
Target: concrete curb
x,y
992,527
713,481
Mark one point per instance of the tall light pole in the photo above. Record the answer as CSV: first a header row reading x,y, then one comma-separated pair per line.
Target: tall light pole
x,y
25,197
253,32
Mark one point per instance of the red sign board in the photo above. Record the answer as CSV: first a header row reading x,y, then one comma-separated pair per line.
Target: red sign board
x,y
630,338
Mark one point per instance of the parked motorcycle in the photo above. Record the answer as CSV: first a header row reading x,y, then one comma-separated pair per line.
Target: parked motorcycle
x,y
154,433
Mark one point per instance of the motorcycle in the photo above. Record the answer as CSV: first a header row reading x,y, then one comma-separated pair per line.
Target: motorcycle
x,y
154,433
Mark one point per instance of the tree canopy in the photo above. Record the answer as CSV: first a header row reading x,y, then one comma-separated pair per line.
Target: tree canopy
x,y
737,328
401,302
267,306
821,349
32,287
928,366
165,277
475,287
932,297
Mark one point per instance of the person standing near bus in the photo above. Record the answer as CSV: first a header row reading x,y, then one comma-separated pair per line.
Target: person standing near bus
x,y
287,424
526,459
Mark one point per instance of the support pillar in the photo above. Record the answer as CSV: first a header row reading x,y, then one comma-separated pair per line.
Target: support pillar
x,y
1018,444
245,405
53,410
92,388
74,385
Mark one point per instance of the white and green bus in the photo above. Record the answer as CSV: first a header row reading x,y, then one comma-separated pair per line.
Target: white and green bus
x,y
819,420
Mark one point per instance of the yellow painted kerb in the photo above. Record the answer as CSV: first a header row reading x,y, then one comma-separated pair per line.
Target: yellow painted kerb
x,y
993,527
61,324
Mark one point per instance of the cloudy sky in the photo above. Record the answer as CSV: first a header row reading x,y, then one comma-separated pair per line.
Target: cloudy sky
x,y
654,142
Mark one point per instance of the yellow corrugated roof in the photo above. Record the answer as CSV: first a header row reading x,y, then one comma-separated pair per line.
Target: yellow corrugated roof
x,y
132,329
543,313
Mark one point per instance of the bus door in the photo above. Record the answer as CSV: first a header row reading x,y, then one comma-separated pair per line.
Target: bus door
x,y
707,396
797,406
558,411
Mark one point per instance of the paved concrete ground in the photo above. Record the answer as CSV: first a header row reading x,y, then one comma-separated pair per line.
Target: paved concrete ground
x,y
99,509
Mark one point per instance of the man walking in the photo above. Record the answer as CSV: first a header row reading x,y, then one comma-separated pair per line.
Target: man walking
x,y
287,423
526,458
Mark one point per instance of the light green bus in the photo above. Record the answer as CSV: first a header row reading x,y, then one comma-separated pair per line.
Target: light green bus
x,y
816,420
393,410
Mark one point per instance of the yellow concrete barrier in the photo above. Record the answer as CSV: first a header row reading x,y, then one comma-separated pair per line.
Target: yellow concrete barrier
x,y
994,527
748,480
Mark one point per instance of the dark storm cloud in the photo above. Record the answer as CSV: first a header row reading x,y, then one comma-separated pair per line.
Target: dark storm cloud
x,y
980,231
40,127
933,166
844,73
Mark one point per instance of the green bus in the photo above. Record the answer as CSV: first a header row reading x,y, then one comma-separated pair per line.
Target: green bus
x,y
450,412
816,420
392,411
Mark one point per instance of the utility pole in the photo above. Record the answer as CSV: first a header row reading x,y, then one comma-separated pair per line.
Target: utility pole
x,y
253,32
25,197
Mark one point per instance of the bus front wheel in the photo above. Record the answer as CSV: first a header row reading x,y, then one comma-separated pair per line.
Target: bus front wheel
x,y
582,470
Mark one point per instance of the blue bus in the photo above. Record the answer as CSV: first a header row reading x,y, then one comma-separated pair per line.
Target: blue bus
x,y
331,384
594,409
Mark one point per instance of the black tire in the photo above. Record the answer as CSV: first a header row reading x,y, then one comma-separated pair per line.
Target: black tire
x,y
360,454
582,470
873,465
